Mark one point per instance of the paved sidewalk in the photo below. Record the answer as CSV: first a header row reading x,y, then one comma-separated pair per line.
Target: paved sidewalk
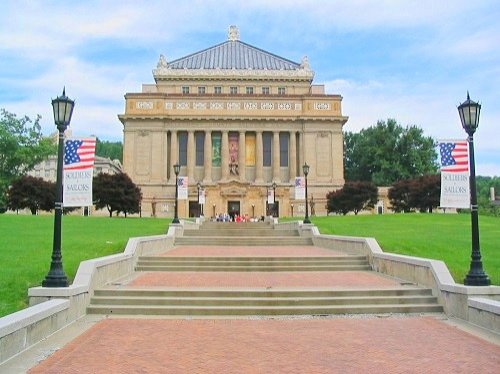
x,y
329,345
267,280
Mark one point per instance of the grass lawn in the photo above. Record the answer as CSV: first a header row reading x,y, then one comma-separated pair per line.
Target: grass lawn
x,y
26,247
445,237
26,243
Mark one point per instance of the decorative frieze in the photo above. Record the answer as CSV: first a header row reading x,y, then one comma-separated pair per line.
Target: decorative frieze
x,y
182,105
322,106
233,106
200,106
284,106
148,105
267,106
250,106
216,106
169,105
298,106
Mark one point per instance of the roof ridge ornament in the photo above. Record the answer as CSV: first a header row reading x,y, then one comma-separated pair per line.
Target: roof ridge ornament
x,y
305,63
162,62
233,34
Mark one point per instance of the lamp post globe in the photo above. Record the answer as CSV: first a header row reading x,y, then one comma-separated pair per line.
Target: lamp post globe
x,y
469,115
63,110
305,169
177,169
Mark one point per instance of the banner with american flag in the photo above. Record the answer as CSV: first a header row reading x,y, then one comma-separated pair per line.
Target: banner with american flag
x,y
182,185
270,196
455,188
300,188
79,156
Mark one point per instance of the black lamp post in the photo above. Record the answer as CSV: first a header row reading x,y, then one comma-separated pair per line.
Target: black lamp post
x,y
274,198
291,206
63,109
305,169
253,210
469,115
198,186
177,169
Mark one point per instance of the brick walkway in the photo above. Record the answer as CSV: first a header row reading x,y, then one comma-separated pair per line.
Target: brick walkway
x,y
340,345
302,279
348,344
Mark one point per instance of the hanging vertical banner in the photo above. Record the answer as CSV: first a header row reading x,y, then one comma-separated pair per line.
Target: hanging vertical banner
x,y
79,155
250,149
182,185
300,188
201,197
233,152
216,149
455,187
270,196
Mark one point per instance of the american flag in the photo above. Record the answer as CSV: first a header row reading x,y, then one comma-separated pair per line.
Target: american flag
x,y
79,154
182,182
454,156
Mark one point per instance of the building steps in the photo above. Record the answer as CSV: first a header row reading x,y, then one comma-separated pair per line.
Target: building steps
x,y
244,264
243,240
264,302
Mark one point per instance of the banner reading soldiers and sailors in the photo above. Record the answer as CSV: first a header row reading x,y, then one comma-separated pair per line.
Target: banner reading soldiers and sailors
x,y
79,155
454,174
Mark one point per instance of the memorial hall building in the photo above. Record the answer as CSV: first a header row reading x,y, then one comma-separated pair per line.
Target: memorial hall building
x,y
238,120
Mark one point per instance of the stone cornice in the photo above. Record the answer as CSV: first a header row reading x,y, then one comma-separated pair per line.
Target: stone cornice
x,y
166,73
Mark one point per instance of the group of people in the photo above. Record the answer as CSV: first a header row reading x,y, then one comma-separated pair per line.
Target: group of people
x,y
226,217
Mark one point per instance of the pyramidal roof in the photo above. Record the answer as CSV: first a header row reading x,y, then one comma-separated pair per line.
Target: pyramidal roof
x,y
232,54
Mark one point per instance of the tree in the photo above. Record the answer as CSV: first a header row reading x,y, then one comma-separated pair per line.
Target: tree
x,y
32,193
112,150
426,192
399,196
354,196
422,193
22,146
483,195
336,202
117,193
387,152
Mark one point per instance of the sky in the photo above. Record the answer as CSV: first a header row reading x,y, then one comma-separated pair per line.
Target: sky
x,y
413,61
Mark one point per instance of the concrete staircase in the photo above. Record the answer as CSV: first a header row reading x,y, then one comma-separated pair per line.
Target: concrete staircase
x,y
340,263
241,234
218,302
121,300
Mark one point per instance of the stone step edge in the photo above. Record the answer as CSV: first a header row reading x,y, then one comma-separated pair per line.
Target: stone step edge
x,y
309,309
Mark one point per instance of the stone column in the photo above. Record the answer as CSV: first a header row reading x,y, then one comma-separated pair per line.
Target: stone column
x,y
225,155
301,151
207,157
292,165
174,153
191,152
241,156
276,157
259,158
166,159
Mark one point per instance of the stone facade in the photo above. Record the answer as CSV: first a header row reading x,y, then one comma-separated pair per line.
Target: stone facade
x,y
237,119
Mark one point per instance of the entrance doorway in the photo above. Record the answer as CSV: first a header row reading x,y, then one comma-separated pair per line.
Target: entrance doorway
x,y
273,209
233,208
194,209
